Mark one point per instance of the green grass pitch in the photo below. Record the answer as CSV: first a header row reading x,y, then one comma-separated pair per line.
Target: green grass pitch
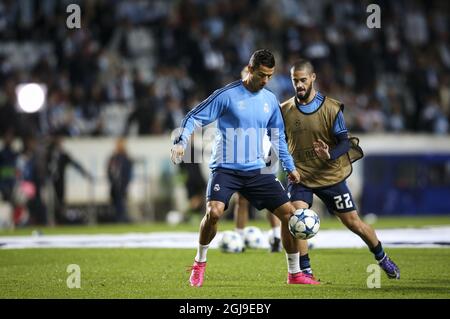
x,y
255,274
160,273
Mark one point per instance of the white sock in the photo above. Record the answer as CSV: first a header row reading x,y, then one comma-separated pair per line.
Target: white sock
x,y
276,231
240,231
307,270
292,261
201,253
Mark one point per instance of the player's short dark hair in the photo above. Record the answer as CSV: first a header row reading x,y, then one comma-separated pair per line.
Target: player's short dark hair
x,y
302,64
262,57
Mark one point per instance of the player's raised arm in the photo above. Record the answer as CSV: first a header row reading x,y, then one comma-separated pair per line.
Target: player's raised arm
x,y
203,114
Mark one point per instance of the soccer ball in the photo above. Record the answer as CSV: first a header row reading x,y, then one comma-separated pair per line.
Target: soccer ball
x,y
304,224
253,237
231,242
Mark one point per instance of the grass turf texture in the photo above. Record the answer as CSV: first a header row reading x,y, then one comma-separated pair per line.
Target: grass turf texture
x,y
160,273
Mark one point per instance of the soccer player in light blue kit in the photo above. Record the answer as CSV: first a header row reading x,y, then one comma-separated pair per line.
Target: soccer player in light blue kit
x,y
245,112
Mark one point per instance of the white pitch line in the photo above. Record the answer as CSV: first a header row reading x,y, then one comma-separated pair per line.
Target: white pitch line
x,y
404,237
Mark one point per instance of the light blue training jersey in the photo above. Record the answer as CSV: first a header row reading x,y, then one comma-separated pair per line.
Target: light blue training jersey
x,y
243,119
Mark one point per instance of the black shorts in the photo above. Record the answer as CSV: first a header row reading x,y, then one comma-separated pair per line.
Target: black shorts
x,y
337,197
261,190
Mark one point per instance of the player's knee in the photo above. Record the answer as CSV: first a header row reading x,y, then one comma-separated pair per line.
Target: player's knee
x,y
284,213
214,213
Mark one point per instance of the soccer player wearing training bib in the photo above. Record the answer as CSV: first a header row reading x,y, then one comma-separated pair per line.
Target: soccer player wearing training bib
x,y
245,112
323,153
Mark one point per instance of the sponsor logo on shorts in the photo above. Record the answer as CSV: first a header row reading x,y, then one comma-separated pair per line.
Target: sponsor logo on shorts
x,y
217,187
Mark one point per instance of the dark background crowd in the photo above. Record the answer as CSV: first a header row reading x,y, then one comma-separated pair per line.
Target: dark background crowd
x,y
135,67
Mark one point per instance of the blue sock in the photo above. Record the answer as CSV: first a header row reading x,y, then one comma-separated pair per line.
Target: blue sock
x,y
378,251
304,262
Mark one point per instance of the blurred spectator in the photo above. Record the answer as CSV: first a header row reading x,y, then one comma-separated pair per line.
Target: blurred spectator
x,y
145,114
396,122
444,94
373,119
184,46
416,26
8,166
28,205
9,117
175,114
119,172
58,117
433,118
57,162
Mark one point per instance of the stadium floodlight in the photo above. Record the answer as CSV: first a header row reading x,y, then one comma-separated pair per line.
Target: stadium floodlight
x,y
31,97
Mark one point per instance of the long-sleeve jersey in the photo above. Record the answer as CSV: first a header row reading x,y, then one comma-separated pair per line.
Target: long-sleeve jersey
x,y
243,119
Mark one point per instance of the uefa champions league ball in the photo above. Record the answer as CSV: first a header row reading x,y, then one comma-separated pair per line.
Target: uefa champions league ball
x,y
304,224
253,237
231,242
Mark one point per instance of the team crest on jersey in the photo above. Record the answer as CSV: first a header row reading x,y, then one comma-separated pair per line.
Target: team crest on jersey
x,y
266,107
298,126
217,187
241,105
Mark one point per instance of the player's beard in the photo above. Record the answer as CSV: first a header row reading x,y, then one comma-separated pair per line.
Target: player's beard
x,y
305,96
